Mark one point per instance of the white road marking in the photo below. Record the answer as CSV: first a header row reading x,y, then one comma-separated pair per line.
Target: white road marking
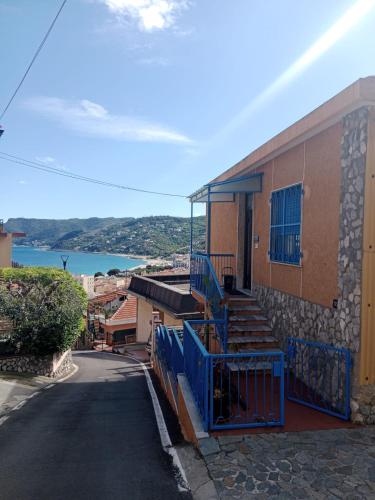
x,y
33,394
49,386
162,426
3,419
165,439
20,404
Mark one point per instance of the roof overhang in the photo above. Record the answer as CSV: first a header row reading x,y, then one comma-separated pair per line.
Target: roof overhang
x,y
224,191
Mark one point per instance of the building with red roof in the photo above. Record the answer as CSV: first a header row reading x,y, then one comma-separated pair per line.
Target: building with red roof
x,y
120,327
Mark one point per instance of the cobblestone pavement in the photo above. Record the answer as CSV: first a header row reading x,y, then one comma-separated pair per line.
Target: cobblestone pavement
x,y
321,464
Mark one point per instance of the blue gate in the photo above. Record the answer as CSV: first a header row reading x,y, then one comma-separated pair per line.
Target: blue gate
x,y
318,376
246,390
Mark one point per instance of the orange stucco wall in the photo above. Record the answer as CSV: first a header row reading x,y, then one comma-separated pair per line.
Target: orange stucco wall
x,y
224,215
316,164
309,163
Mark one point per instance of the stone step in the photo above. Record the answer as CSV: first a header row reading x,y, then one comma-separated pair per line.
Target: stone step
x,y
242,309
246,301
260,347
246,328
252,339
266,350
254,318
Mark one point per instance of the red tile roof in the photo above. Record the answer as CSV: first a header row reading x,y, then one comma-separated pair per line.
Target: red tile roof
x,y
128,309
107,297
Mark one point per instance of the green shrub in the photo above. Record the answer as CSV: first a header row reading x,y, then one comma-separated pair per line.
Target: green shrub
x,y
46,306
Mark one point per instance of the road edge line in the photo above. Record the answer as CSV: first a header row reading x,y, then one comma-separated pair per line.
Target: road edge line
x,y
162,427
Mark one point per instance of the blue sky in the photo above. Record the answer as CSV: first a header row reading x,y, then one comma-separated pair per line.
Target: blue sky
x,y
159,94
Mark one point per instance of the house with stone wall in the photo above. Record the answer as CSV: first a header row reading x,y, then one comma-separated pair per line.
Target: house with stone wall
x,y
291,230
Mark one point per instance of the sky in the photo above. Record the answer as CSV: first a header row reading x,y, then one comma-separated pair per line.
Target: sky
x,y
161,95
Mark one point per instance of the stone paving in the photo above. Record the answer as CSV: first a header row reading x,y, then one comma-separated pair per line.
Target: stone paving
x,y
315,464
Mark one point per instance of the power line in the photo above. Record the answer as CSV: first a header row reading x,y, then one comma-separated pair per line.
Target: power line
x,y
57,171
33,59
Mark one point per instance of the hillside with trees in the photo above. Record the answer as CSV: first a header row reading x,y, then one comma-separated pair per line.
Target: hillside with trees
x,y
156,236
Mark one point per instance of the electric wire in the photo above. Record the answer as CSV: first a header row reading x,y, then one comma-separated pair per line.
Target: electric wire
x,y
33,60
53,170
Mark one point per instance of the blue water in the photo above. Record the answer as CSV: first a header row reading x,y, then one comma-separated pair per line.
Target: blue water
x,y
78,262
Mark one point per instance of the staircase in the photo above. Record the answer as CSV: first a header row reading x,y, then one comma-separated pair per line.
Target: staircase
x,y
248,328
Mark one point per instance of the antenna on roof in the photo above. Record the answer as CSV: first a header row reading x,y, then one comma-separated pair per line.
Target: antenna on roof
x,y
64,259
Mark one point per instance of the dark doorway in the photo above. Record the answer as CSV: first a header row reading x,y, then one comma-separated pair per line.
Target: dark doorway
x,y
248,241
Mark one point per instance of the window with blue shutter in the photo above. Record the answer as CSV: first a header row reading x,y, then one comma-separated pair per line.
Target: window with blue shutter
x,y
285,232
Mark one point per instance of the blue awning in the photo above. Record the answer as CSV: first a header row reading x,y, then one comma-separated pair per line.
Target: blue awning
x,y
224,191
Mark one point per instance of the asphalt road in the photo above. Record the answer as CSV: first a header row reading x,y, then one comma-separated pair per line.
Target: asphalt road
x,y
93,436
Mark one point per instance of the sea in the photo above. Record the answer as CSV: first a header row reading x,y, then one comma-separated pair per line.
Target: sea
x,y
77,263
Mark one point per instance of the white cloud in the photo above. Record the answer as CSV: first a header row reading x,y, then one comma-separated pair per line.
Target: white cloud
x,y
45,159
92,119
154,61
22,182
150,15
50,162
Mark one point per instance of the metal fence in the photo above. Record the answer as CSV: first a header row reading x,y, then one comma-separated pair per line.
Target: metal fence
x,y
223,264
246,390
318,376
234,390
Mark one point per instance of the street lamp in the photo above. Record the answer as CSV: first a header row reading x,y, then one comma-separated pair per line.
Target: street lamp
x,y
64,259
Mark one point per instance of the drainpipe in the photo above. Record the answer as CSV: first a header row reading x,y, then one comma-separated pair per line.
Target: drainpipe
x,y
191,237
191,226
208,220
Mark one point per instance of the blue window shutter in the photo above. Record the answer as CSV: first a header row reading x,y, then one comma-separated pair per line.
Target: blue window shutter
x,y
285,230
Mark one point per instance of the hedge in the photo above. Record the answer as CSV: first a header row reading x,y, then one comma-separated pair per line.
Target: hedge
x,y
46,306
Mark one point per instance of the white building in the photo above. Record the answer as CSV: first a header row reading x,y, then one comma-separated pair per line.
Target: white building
x,y
87,283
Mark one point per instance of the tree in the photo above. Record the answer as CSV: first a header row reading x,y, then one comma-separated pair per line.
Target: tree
x,y
113,272
46,308
96,275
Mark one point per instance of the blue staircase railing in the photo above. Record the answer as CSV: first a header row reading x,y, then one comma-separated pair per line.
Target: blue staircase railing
x,y
204,281
169,349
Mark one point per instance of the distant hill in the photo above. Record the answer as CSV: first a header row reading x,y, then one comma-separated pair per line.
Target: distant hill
x,y
158,236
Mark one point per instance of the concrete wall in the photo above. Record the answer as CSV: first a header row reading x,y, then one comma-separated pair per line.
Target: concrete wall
x,y
170,320
6,250
144,320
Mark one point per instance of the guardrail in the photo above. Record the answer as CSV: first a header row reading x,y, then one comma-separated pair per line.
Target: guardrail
x,y
169,349
204,281
223,264
196,360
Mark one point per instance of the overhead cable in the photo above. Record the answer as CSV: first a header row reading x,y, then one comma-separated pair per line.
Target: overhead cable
x,y
58,171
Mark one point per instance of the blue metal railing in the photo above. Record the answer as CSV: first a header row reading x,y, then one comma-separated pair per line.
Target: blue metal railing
x,y
318,376
196,360
234,391
177,354
169,349
204,281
